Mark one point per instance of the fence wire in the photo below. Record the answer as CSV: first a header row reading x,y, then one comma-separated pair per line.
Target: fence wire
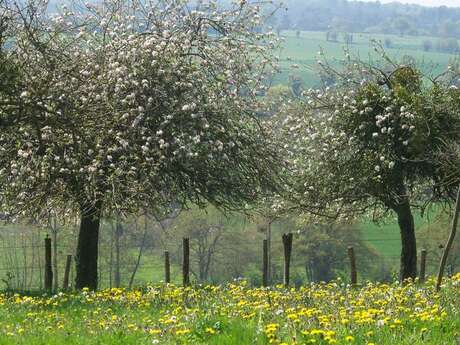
x,y
22,266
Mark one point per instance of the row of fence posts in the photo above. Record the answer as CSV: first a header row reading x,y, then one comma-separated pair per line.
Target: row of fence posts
x,y
287,247
354,272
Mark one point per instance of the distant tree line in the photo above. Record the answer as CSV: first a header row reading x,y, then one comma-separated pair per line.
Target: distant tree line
x,y
449,45
372,17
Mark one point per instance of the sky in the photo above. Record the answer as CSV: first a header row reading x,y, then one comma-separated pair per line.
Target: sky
x,y
450,3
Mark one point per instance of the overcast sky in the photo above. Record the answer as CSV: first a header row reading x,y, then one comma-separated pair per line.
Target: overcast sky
x,y
451,3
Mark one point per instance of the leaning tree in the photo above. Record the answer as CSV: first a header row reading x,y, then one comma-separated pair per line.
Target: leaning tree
x,y
126,105
369,144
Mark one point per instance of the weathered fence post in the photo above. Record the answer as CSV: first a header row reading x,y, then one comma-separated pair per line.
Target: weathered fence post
x,y
186,262
353,273
65,283
48,268
167,268
287,244
265,264
422,266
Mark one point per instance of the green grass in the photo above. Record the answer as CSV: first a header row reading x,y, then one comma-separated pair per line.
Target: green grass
x,y
235,314
385,237
304,51
153,270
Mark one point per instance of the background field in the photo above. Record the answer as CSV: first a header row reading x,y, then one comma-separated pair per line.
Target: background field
x,y
303,50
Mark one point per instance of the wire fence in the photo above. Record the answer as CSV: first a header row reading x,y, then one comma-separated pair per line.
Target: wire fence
x,y
22,267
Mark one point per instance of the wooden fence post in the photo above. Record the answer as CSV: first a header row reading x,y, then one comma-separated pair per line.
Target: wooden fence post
x,y
422,266
65,284
265,264
167,268
353,273
186,261
287,244
48,267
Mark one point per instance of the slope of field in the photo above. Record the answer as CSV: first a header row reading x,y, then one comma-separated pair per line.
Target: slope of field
x,y
303,50
385,237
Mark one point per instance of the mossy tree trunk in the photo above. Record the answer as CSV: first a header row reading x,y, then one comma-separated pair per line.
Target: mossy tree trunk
x,y
87,249
408,268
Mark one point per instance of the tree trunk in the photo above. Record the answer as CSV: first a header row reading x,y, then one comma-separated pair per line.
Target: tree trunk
x,y
87,249
269,243
201,269
24,254
54,232
111,254
118,232
186,261
408,267
208,264
31,279
40,277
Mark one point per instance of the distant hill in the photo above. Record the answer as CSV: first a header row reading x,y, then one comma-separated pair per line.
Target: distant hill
x,y
371,17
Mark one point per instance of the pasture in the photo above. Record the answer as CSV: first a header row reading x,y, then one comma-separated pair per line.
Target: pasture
x,y
303,51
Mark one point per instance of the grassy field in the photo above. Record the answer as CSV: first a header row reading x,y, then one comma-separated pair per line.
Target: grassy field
x,y
374,314
304,50
385,237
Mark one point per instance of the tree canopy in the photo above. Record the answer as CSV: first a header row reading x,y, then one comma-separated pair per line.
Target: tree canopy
x,y
370,143
121,106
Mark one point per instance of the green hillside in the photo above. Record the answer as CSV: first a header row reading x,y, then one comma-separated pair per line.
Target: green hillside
x,y
303,50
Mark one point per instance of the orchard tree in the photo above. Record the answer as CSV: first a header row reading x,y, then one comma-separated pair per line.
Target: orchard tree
x,y
8,72
369,144
4,21
121,106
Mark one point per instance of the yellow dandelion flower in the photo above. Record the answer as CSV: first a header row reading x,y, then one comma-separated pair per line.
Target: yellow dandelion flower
x,y
210,330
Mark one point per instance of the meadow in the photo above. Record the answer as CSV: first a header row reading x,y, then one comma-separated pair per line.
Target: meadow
x,y
333,313
303,51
